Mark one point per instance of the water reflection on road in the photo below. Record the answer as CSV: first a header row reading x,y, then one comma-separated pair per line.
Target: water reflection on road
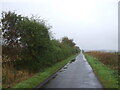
x,y
76,74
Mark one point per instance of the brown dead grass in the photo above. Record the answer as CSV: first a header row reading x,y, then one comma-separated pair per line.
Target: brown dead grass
x,y
109,59
11,76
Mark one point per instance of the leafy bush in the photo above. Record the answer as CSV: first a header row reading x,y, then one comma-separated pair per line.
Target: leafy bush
x,y
27,42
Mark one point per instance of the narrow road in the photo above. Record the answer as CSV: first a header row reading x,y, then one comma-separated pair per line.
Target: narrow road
x,y
76,74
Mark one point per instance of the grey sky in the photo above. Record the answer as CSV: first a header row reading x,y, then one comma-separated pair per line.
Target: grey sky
x,y
93,24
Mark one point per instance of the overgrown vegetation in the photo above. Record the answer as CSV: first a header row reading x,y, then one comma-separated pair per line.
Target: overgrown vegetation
x,y
106,67
28,48
41,76
109,59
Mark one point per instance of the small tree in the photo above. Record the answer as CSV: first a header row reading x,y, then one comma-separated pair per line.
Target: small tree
x,y
77,49
66,40
11,34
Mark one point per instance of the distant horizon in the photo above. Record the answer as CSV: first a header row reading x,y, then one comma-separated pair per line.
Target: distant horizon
x,y
104,50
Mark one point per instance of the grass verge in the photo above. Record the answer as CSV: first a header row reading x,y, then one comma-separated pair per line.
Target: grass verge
x,y
41,76
107,76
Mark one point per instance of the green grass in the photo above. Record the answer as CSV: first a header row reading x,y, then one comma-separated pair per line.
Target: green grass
x,y
107,76
41,76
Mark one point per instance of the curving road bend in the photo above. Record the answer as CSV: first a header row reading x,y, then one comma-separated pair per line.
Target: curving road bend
x,y
76,74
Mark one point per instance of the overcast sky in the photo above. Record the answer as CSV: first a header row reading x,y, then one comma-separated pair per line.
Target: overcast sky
x,y
93,24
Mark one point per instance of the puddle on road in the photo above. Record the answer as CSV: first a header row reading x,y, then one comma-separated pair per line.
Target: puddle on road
x,y
54,76
62,70
66,66
73,60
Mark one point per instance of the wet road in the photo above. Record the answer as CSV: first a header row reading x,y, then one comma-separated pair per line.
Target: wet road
x,y
76,74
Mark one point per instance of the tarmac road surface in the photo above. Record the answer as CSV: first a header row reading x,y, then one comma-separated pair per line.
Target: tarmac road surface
x,y
76,74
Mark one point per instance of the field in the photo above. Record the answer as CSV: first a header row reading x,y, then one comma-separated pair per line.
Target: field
x,y
105,66
109,59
